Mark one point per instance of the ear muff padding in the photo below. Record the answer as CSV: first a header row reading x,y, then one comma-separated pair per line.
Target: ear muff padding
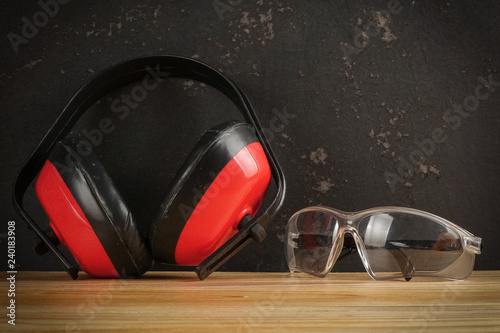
x,y
74,182
225,178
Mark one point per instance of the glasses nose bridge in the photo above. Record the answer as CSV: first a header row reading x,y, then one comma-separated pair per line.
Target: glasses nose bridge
x,y
347,225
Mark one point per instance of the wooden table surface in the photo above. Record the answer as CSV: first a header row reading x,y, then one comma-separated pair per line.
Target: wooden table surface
x,y
253,302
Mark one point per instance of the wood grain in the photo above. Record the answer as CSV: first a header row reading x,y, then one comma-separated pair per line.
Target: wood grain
x,y
254,302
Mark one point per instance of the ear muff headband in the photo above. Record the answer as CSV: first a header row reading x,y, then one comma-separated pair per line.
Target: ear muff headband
x,y
152,68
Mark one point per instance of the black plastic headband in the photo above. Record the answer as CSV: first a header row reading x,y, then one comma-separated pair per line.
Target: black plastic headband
x,y
125,73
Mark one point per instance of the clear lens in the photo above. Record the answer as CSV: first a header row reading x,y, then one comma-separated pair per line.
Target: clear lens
x,y
405,245
311,238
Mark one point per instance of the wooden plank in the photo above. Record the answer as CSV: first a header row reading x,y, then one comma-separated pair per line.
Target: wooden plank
x,y
254,302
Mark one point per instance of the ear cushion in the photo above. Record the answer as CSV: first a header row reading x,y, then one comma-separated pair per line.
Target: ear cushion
x,y
88,214
224,178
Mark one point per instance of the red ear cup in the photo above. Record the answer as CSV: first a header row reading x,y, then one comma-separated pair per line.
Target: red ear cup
x,y
225,178
88,215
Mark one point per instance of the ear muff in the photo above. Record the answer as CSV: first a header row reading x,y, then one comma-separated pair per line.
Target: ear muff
x,y
224,179
88,215
222,151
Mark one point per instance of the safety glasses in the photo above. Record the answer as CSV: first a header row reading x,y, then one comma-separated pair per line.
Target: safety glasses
x,y
393,242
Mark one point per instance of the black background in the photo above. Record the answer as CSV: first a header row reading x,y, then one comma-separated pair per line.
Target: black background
x,y
351,116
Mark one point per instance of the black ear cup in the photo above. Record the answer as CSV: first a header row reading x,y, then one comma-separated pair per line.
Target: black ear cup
x,y
224,178
91,192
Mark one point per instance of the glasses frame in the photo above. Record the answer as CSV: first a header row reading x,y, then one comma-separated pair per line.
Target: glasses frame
x,y
348,223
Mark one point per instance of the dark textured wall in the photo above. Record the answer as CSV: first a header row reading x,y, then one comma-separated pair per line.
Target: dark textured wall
x,y
368,89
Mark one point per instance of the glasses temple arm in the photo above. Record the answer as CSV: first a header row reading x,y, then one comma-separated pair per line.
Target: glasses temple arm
x,y
404,263
346,252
